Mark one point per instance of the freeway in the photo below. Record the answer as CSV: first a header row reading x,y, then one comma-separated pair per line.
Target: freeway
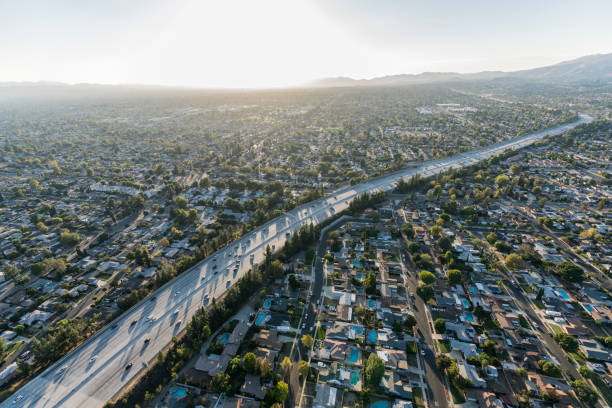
x,y
100,367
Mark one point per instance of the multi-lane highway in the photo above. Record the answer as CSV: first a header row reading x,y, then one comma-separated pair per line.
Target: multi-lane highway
x,y
99,368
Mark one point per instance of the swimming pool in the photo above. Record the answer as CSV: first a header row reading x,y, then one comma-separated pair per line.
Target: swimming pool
x,y
267,303
473,290
552,282
372,336
354,356
563,294
469,317
371,304
357,264
358,330
465,302
359,275
380,404
179,393
588,307
261,317
224,338
354,378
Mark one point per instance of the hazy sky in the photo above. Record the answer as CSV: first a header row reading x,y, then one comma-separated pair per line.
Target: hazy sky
x,y
261,43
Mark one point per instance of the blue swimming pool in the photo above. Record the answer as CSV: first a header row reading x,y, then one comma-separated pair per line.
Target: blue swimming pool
x,y
267,303
372,336
553,283
588,307
380,404
371,304
179,393
354,378
473,290
260,319
357,264
224,338
465,302
359,275
469,317
563,294
353,356
358,330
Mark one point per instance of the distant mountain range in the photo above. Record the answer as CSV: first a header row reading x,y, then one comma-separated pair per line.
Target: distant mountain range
x,y
590,68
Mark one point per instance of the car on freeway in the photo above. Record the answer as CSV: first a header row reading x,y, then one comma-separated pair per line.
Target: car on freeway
x,y
17,399
93,359
127,367
422,351
146,341
133,323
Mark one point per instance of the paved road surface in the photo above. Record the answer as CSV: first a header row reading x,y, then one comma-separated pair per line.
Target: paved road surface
x,y
100,367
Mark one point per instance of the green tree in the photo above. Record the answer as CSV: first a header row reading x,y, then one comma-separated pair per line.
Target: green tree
x,y
491,237
286,365
584,392
69,239
249,363
427,277
10,271
425,291
570,272
435,231
221,382
550,369
410,321
370,283
440,325
454,276
443,362
502,180
408,230
181,202
514,262
307,340
279,392
375,369
567,342
303,368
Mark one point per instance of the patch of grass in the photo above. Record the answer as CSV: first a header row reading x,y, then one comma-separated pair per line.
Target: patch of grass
x,y
104,276
14,347
458,394
556,328
5,394
444,346
579,357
